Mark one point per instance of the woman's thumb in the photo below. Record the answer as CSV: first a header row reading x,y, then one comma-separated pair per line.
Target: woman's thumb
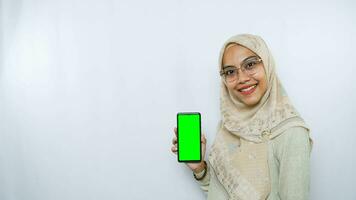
x,y
203,138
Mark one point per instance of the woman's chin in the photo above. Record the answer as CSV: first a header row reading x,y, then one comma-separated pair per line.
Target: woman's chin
x,y
249,101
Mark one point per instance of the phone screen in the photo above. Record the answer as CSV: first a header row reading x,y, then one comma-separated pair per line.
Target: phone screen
x,y
189,137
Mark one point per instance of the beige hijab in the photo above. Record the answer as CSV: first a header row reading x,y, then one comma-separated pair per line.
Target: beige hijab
x,y
239,154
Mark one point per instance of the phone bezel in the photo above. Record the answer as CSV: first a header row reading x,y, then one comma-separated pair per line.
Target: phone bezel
x,y
200,154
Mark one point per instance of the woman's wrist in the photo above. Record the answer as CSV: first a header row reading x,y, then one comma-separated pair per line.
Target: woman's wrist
x,y
199,175
200,168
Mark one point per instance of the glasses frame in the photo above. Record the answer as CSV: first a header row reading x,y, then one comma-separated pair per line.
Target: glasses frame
x,y
222,72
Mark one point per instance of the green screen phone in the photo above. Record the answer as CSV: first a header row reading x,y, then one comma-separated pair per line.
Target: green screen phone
x,y
189,137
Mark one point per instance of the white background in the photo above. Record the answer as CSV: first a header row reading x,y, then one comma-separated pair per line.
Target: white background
x,y
89,91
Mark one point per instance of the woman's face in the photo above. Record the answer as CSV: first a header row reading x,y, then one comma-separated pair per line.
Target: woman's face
x,y
248,89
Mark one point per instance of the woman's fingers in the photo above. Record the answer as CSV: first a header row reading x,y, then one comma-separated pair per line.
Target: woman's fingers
x,y
203,139
174,140
174,148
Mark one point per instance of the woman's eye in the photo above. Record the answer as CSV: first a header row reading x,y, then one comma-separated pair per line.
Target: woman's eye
x,y
230,71
250,65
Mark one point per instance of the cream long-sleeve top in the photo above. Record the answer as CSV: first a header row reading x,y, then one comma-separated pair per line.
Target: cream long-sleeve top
x,y
288,160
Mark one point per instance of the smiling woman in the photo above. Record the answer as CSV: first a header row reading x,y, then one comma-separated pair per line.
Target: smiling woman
x,y
250,83
262,147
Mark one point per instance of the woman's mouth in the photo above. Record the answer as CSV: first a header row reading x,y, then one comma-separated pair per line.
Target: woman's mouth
x,y
249,90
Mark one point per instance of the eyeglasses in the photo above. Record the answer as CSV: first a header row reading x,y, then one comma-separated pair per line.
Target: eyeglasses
x,y
249,66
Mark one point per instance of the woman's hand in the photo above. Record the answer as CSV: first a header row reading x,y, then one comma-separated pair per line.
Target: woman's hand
x,y
195,167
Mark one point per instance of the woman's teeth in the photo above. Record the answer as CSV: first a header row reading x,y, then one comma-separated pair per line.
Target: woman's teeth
x,y
247,89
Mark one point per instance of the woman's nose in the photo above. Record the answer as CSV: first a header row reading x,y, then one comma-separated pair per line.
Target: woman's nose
x,y
242,77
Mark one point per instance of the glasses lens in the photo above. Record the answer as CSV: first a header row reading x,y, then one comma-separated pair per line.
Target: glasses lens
x,y
230,74
250,65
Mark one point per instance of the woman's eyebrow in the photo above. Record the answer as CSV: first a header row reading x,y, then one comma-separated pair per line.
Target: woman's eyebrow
x,y
244,60
247,59
226,66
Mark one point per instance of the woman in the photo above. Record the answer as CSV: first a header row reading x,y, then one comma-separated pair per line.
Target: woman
x,y
262,147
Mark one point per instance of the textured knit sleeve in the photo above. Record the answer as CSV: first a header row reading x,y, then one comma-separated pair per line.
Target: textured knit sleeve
x,y
204,183
294,162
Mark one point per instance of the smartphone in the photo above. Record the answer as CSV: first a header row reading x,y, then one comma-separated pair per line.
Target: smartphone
x,y
189,137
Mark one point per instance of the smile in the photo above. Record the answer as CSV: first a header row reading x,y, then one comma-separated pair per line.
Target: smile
x,y
249,90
